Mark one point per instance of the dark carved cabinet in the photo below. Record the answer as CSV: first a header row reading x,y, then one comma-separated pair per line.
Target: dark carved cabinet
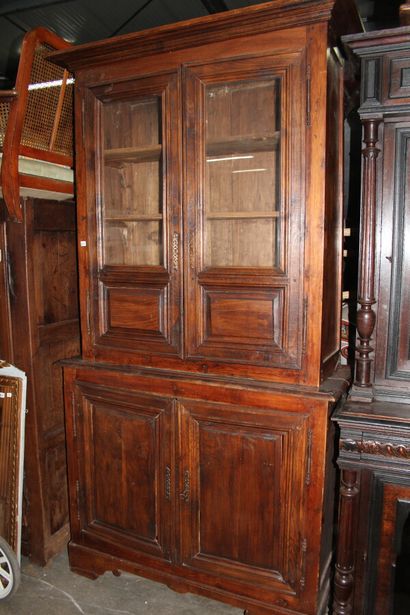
x,y
374,527
209,175
373,554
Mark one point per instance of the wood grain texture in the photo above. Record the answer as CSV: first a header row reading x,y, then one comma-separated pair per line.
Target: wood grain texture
x,y
43,328
230,493
183,444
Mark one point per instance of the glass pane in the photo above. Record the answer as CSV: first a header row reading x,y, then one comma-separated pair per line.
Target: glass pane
x,y
242,175
132,202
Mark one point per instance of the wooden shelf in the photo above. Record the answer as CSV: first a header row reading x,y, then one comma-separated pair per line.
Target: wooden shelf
x,y
241,215
140,218
243,145
120,155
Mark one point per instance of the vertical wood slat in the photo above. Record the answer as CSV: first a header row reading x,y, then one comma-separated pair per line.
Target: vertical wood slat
x,y
57,116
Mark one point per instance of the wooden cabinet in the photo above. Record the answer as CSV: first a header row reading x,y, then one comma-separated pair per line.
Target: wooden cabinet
x,y
209,170
207,486
373,556
203,167
38,327
236,139
383,321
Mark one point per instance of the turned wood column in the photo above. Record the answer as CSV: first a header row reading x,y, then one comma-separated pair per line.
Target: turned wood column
x,y
366,317
344,568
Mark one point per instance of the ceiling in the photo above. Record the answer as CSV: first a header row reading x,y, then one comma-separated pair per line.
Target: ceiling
x,y
80,21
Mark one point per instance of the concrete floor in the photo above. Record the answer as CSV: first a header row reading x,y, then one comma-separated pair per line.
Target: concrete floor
x,y
55,590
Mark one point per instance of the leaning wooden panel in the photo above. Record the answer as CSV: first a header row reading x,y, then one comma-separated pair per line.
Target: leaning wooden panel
x,y
41,292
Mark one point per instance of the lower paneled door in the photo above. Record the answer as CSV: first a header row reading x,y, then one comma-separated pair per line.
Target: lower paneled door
x,y
213,489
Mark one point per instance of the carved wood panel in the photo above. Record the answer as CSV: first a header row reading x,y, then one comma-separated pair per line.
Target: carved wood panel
x,y
124,490
255,464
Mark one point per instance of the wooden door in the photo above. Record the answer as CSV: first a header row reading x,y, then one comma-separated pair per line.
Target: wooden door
x,y
120,446
242,483
43,329
131,137
244,144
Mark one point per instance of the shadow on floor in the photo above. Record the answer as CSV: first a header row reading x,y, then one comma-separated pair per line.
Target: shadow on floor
x,y
55,590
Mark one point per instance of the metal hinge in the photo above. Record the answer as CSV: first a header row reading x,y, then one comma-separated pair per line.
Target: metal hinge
x,y
74,415
167,483
88,312
309,457
83,119
304,546
305,312
77,486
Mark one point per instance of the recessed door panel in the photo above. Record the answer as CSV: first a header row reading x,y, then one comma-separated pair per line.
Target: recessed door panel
x,y
257,317
242,482
126,461
136,309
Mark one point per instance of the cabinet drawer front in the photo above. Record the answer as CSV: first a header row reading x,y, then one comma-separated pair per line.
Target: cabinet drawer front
x,y
125,459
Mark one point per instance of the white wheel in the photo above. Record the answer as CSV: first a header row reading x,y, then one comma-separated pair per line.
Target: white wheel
x,y
9,570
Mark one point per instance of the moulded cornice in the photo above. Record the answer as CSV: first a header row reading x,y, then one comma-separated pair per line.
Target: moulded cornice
x,y
257,19
378,41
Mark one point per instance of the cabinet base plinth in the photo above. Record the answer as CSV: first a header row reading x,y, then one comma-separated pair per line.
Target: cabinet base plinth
x,y
89,563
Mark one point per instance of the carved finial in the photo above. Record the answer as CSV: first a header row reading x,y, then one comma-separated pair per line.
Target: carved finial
x,y
405,13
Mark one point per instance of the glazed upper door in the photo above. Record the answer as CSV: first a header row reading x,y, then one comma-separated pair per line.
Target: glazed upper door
x,y
244,143
132,156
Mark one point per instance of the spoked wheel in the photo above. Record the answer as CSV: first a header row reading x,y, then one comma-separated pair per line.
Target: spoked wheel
x,y
9,570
